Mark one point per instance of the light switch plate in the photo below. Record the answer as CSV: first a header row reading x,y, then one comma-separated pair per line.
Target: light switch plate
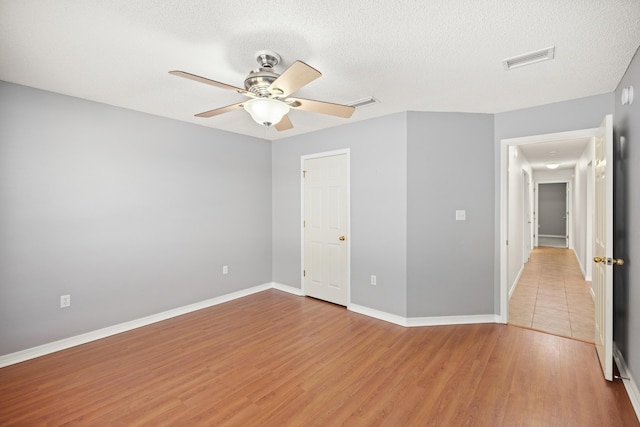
x,y
461,215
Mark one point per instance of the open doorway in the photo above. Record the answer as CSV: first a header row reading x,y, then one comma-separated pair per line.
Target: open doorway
x,y
546,289
553,214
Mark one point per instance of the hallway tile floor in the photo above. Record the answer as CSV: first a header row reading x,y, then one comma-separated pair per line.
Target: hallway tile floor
x,y
552,296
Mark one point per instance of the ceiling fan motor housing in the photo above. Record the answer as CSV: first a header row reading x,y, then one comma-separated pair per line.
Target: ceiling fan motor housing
x,y
259,80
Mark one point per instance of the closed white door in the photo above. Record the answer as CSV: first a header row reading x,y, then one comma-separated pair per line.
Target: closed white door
x,y
603,246
325,228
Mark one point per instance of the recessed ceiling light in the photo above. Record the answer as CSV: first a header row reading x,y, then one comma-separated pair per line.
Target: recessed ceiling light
x,y
552,165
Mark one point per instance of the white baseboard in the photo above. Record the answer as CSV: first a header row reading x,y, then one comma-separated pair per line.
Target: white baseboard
x,y
32,353
515,282
63,344
627,379
582,269
287,288
424,321
453,320
377,314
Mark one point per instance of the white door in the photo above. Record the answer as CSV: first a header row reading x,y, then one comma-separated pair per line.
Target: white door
x,y
325,228
603,246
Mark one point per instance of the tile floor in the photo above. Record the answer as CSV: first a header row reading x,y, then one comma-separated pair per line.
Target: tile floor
x,y
552,296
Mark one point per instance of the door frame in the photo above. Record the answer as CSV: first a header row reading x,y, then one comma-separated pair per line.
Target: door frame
x,y
347,153
503,216
527,230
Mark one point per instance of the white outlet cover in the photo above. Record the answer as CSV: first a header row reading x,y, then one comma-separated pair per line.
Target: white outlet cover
x,y
65,301
461,215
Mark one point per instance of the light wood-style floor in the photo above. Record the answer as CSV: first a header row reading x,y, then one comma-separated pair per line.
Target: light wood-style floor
x,y
274,359
552,296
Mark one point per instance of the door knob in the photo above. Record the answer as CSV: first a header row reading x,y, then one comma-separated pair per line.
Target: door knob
x,y
342,238
609,261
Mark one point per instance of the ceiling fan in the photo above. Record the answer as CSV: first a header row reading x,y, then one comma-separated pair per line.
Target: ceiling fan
x,y
270,93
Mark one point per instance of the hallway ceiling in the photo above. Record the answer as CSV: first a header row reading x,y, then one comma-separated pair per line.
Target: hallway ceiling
x,y
566,153
437,55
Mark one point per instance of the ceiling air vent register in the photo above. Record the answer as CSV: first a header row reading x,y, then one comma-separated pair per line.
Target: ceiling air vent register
x,y
529,58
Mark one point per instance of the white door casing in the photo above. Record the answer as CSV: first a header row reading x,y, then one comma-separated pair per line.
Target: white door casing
x,y
325,227
567,219
603,246
528,222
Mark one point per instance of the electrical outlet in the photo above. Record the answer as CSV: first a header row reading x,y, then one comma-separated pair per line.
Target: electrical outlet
x,y
225,269
65,301
373,279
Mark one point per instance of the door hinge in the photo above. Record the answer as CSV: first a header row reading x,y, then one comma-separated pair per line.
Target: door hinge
x,y
304,223
304,273
507,243
304,174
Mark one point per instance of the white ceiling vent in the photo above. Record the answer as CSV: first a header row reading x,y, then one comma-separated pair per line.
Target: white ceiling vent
x,y
529,58
369,100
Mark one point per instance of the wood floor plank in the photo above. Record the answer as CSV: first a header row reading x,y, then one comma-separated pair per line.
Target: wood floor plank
x,y
274,359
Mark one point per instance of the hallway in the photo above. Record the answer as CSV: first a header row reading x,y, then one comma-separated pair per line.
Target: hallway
x,y
552,296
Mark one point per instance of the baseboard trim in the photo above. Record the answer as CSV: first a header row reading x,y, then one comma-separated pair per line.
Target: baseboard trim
x,y
42,350
629,383
453,320
287,288
411,322
377,314
515,282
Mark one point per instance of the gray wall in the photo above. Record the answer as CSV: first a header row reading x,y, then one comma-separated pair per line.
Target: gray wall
x,y
583,113
450,167
129,213
378,207
626,325
552,208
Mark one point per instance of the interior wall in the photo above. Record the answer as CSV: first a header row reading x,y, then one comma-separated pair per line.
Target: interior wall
x,y
378,150
516,224
583,210
626,326
450,168
130,214
582,113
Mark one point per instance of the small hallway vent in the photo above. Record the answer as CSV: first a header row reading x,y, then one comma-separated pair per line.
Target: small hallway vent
x,y
364,102
529,58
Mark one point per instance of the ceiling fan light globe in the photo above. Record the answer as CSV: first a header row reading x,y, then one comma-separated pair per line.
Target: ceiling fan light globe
x,y
266,111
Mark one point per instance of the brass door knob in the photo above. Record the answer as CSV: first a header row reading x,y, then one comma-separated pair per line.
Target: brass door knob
x,y
609,261
342,238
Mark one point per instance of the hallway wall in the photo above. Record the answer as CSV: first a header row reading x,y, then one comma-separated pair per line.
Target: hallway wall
x,y
626,328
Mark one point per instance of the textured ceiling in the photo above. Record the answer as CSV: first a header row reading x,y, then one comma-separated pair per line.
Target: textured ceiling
x,y
436,55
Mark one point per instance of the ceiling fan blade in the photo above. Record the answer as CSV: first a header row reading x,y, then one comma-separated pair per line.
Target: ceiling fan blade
x,y
338,110
209,82
284,124
220,110
293,78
